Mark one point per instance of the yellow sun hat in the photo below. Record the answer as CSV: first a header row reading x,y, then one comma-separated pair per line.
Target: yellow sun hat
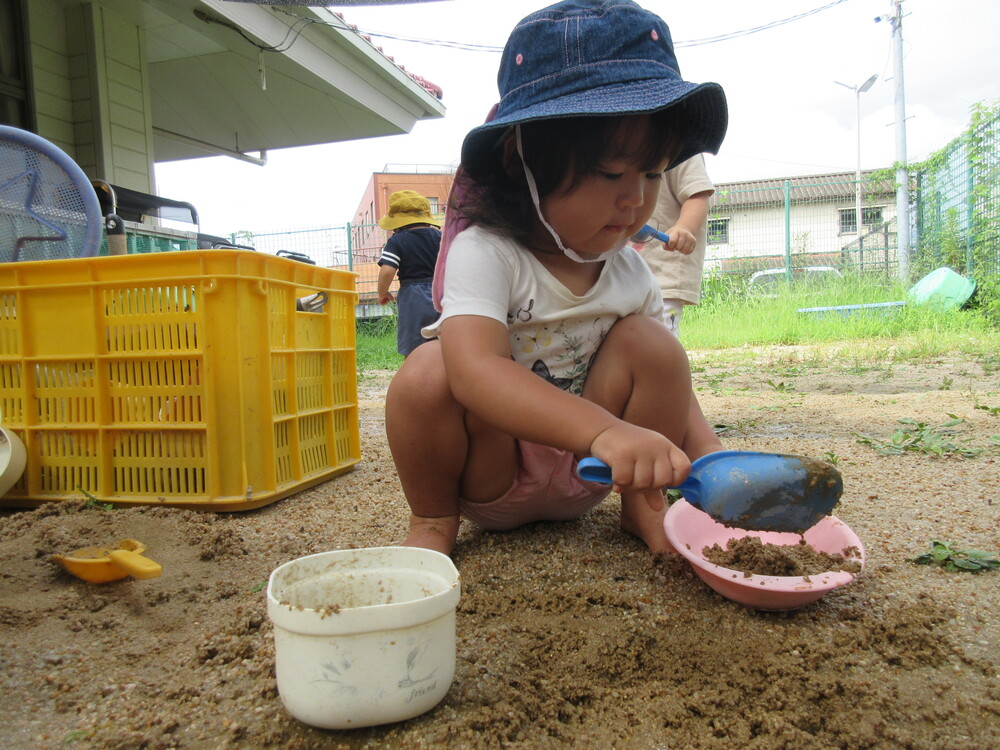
x,y
407,207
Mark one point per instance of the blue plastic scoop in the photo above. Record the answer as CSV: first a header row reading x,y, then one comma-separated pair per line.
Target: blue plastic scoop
x,y
749,490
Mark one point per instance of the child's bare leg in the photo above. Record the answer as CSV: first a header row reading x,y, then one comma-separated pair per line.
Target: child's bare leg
x,y
640,520
700,438
638,517
426,459
642,374
440,451
438,534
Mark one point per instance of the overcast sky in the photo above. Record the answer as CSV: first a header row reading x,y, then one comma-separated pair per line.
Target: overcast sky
x,y
787,114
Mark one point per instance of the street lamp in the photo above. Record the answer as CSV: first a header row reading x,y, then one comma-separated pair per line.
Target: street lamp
x,y
858,91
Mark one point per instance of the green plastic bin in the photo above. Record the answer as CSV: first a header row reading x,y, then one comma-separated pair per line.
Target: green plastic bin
x,y
942,288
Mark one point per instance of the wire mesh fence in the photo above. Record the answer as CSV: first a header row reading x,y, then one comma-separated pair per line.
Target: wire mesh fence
x,y
349,247
958,211
801,222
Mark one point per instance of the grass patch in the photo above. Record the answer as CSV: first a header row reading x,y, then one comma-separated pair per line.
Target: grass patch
x,y
732,320
376,345
733,316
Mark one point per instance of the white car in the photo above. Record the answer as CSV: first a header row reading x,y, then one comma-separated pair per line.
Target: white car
x,y
769,280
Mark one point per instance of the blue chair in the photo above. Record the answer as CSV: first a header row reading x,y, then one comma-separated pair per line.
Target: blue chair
x,y
48,208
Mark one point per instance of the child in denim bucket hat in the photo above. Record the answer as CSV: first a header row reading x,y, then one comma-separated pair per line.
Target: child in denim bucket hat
x,y
552,345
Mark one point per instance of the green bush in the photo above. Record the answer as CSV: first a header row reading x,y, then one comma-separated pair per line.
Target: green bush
x,y
987,299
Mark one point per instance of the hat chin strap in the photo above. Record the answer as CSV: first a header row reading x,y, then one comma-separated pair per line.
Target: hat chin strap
x,y
533,189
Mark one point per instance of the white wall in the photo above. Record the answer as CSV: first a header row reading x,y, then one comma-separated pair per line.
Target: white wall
x,y
91,93
814,228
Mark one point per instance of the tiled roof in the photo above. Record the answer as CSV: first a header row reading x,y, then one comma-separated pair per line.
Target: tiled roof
x,y
432,88
833,187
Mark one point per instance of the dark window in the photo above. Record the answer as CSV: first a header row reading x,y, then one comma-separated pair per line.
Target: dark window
x,y
718,231
872,216
14,99
848,221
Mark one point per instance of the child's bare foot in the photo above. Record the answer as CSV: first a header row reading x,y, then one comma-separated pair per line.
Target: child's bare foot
x,y
641,521
438,534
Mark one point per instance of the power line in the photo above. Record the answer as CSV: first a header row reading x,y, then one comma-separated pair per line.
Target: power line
x,y
756,29
468,46
344,26
688,43
283,46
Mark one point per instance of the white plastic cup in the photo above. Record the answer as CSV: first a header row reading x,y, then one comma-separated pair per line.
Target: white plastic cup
x,y
364,636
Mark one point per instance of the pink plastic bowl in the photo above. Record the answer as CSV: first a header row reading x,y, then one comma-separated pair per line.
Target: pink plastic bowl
x,y
691,530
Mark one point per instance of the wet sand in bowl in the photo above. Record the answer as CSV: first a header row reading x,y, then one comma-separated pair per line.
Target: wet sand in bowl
x,y
754,557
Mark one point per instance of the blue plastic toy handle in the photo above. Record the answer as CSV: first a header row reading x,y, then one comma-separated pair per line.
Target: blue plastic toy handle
x,y
648,233
659,235
594,470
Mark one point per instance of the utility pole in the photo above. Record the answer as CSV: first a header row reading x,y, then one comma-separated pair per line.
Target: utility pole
x,y
902,175
858,91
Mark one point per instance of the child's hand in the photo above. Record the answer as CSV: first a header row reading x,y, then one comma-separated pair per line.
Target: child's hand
x,y
641,460
682,240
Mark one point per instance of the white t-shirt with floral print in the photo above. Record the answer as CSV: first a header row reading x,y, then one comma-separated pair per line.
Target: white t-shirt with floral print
x,y
553,332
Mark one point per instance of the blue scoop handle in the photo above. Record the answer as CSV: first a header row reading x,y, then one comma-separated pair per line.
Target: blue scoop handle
x,y
595,470
648,233
750,490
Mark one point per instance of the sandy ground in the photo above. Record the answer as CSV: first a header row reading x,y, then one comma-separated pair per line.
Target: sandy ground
x,y
569,635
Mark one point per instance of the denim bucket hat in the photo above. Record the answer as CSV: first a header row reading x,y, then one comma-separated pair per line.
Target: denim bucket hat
x,y
591,58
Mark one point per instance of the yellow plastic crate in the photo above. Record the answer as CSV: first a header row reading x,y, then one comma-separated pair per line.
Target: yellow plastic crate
x,y
185,378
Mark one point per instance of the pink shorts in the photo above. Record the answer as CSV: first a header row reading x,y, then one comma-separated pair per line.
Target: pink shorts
x,y
546,488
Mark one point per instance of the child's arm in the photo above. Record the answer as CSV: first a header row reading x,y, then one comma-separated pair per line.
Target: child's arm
x,y
485,379
386,274
684,233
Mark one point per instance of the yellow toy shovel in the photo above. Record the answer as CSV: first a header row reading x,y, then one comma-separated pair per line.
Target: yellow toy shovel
x,y
103,564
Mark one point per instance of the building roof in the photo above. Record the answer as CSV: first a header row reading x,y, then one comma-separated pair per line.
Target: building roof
x,y
833,187
232,78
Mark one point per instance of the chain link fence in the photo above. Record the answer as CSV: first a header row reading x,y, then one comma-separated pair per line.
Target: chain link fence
x,y
958,206
334,247
802,222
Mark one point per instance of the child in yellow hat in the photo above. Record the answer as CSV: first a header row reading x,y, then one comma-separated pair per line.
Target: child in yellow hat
x,y
411,252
